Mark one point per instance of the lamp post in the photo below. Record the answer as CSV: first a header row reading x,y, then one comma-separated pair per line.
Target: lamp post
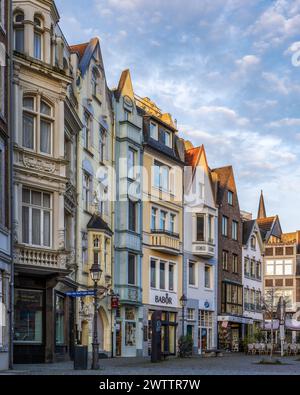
x,y
183,302
96,273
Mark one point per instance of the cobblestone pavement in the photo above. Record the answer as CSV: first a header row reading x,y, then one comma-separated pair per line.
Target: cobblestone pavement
x,y
231,364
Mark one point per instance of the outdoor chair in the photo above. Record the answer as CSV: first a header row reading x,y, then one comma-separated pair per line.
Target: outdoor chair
x,y
257,348
293,349
262,348
250,349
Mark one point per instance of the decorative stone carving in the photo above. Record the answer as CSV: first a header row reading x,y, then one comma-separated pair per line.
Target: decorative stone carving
x,y
38,164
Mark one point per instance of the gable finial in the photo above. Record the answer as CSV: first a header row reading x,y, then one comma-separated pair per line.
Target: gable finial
x,y
261,209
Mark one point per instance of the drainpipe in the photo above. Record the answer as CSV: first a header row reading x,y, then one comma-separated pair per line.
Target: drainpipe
x,y
11,176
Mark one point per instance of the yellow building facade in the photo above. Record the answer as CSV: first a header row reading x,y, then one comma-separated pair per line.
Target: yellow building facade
x,y
162,264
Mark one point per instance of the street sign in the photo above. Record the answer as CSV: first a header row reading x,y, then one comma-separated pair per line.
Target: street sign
x,y
80,294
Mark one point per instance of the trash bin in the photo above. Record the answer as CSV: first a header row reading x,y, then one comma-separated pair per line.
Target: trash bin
x,y
80,357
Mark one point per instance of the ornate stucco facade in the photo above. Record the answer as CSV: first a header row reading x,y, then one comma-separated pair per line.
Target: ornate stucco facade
x,y
44,315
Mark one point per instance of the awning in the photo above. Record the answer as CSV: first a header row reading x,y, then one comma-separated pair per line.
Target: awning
x,y
235,319
292,325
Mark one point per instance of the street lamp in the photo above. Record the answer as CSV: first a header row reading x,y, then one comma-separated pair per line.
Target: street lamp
x,y
183,302
96,273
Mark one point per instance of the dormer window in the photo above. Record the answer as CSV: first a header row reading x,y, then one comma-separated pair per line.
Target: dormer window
x,y
19,32
38,26
153,131
166,138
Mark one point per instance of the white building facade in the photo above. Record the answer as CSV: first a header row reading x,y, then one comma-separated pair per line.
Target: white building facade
x,y
200,252
252,256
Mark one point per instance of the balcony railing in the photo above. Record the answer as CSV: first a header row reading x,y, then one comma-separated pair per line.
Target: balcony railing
x,y
129,294
205,249
35,257
165,240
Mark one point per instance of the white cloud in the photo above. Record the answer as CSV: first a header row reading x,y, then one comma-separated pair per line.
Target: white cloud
x,y
277,23
223,112
285,122
247,61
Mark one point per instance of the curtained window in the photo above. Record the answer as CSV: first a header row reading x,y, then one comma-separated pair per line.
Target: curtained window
x,y
36,218
37,124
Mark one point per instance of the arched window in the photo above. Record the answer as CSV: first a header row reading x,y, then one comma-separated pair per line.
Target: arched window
x,y
38,34
253,242
95,81
37,124
19,31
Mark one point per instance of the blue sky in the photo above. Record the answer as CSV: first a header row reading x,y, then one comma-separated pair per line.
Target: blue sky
x,y
223,69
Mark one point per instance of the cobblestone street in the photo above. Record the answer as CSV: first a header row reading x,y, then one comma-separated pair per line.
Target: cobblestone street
x,y
231,364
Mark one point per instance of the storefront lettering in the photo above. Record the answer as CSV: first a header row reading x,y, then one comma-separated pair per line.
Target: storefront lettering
x,y
163,299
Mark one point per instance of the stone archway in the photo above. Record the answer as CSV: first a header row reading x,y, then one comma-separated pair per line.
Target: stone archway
x,y
103,331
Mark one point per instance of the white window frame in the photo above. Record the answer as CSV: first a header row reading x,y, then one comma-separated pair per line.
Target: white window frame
x,y
195,285
42,209
132,170
155,136
210,269
225,228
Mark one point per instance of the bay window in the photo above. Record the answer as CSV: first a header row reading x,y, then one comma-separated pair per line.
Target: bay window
x,y
131,269
36,218
132,215
200,227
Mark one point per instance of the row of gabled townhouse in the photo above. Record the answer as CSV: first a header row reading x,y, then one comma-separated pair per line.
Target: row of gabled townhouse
x,y
102,177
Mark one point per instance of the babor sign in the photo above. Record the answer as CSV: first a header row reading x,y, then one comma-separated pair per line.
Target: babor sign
x,y
163,299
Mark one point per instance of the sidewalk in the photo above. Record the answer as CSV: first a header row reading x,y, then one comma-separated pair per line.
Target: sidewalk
x,y
232,364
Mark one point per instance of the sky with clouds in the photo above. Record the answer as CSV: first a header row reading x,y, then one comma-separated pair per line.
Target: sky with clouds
x,y
225,69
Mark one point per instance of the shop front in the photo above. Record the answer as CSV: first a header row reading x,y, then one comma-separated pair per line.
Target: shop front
x,y
167,304
128,329
44,319
231,331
